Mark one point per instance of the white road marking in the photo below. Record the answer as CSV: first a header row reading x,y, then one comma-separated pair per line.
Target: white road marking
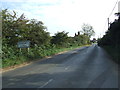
x,y
67,68
46,83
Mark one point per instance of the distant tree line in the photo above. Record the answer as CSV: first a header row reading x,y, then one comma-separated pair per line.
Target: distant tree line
x,y
15,29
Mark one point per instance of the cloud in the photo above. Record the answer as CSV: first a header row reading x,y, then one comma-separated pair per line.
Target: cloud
x,y
37,1
68,15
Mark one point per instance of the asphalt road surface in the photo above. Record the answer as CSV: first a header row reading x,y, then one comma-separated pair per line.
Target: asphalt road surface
x,y
86,67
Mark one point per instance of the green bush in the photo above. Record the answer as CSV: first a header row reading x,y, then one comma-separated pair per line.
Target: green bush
x,y
113,52
13,56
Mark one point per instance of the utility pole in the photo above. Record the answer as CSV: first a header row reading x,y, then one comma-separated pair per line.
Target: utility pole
x,y
117,45
108,23
119,7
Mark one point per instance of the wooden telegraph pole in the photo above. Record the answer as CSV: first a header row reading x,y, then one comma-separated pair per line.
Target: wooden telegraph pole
x,y
108,23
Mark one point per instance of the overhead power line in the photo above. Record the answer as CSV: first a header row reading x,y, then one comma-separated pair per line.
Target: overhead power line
x,y
107,20
105,24
113,8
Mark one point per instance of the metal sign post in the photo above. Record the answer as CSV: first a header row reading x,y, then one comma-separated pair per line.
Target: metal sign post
x,y
28,50
20,49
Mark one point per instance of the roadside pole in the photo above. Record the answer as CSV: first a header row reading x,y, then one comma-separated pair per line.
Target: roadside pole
x,y
108,23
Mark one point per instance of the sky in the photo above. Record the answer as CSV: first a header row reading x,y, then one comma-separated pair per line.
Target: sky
x,y
66,15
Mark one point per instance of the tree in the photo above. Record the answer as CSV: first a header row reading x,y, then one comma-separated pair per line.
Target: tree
x,y
111,40
15,29
112,36
9,27
88,30
37,33
81,39
60,39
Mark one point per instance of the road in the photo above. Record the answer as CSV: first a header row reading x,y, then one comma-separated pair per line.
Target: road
x,y
86,67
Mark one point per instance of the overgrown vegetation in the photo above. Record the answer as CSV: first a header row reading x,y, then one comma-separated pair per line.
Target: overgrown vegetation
x,y
15,29
111,41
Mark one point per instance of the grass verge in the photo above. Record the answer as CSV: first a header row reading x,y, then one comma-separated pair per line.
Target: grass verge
x,y
18,60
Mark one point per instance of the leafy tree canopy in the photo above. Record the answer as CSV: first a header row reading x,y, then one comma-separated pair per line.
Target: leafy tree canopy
x,y
88,30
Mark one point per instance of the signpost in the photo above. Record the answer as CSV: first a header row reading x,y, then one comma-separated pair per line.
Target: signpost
x,y
23,44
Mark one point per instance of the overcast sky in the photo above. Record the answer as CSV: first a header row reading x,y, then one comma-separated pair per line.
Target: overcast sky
x,y
66,15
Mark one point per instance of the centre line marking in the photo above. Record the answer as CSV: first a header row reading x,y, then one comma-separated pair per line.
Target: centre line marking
x,y
66,68
46,83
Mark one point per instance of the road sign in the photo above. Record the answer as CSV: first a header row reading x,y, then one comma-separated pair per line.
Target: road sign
x,y
23,44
